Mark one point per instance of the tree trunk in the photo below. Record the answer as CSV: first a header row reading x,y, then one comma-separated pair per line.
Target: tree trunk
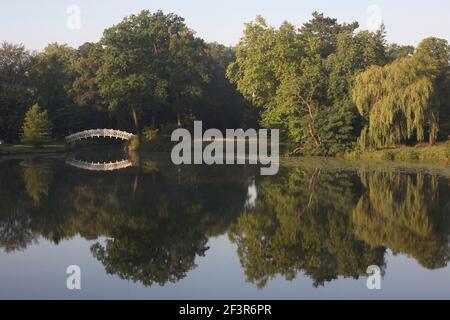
x,y
312,133
431,139
136,183
136,123
312,124
136,120
153,120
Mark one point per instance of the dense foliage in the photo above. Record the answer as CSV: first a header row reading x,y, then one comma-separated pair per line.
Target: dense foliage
x,y
312,81
325,85
150,70
302,79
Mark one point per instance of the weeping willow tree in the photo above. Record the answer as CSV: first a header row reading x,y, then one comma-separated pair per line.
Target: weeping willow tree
x,y
403,100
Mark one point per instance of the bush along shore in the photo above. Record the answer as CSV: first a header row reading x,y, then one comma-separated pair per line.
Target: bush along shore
x,y
438,152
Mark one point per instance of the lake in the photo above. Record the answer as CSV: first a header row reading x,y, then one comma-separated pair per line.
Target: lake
x,y
148,229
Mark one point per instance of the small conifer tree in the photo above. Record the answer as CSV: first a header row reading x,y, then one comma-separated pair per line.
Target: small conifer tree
x,y
37,128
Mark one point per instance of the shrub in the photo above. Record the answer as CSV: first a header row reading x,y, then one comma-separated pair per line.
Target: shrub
x,y
149,134
388,155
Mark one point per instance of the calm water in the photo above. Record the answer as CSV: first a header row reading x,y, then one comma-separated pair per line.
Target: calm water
x,y
158,231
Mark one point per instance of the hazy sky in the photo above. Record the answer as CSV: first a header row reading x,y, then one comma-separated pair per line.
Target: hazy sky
x,y
37,23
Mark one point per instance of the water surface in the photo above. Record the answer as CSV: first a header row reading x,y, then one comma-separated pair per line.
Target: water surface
x,y
158,231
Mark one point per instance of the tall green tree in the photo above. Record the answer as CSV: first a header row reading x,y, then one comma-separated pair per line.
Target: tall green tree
x,y
434,55
89,104
84,88
187,70
150,61
15,88
354,54
53,76
322,33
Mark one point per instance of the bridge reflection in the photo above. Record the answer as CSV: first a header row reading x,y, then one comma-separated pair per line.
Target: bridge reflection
x,y
99,166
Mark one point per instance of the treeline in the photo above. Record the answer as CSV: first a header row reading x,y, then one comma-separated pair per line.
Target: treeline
x,y
149,70
332,89
329,87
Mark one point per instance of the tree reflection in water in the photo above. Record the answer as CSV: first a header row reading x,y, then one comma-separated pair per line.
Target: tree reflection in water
x,y
153,220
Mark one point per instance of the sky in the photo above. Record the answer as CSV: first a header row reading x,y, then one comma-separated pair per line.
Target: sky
x,y
37,23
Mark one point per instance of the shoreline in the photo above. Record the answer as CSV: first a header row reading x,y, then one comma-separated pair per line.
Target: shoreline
x,y
418,154
20,149
421,153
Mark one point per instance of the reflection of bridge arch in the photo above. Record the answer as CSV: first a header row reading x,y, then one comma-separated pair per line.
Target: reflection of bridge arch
x,y
99,166
99,133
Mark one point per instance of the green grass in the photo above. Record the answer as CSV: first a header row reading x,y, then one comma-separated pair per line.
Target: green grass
x,y
13,149
439,152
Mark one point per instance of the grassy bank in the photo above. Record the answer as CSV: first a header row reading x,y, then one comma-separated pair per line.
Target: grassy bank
x,y
14,149
438,152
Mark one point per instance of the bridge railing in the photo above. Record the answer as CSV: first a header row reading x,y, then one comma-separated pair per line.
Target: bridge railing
x,y
97,133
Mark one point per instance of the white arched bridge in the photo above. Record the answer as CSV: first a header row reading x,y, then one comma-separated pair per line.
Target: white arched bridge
x,y
99,166
99,133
